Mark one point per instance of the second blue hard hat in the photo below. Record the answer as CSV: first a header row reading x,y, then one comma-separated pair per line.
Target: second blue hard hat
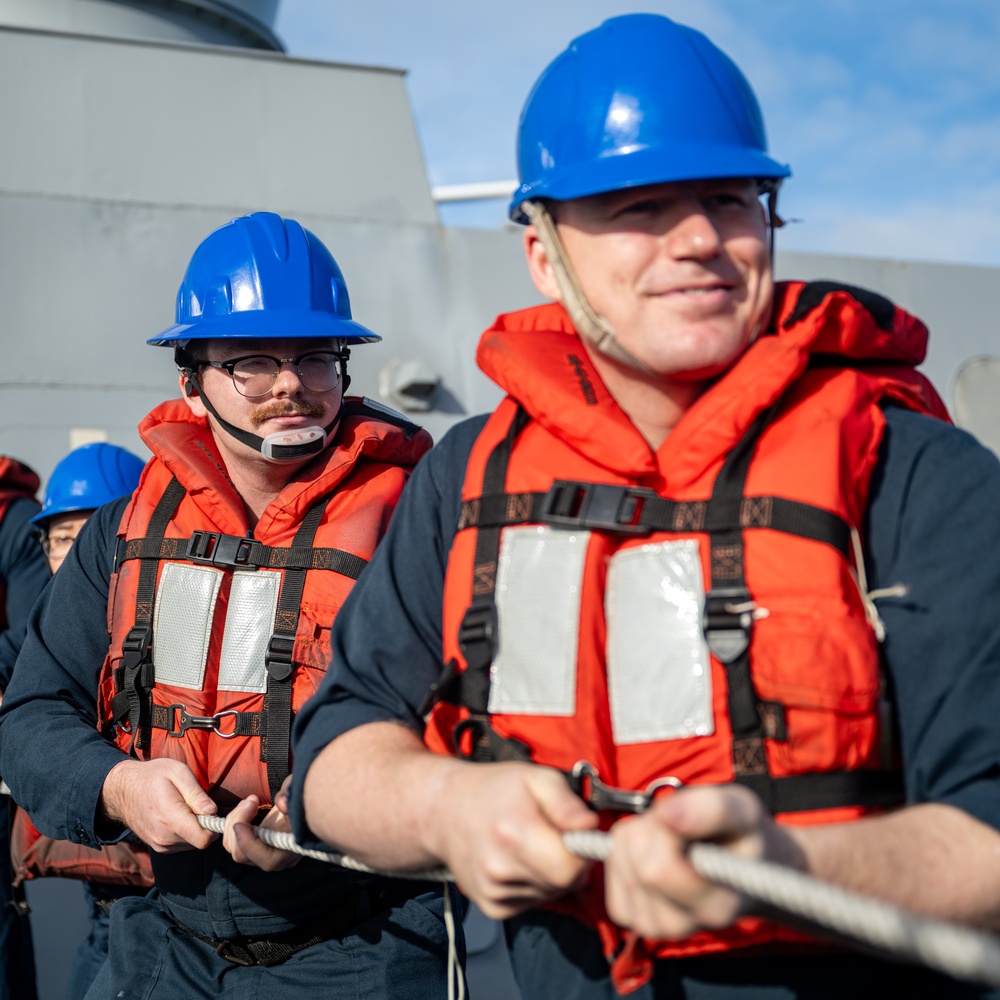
x,y
638,100
89,477
263,277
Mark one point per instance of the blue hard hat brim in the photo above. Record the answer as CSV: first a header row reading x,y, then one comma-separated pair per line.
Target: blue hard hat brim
x,y
267,325
641,167
47,513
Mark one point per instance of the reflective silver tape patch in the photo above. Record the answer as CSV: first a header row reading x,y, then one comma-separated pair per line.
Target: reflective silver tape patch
x,y
538,609
659,672
253,599
182,623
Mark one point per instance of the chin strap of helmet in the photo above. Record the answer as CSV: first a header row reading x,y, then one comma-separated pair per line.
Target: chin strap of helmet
x,y
283,446
589,324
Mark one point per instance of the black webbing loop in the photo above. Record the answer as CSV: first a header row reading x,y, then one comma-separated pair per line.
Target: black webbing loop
x,y
478,632
134,676
728,619
477,635
477,640
277,711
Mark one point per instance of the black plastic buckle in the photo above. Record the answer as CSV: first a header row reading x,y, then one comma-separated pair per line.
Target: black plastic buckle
x,y
727,622
599,506
208,722
135,646
211,548
586,782
279,657
477,635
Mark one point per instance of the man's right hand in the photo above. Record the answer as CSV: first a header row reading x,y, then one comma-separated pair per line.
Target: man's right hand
x,y
503,839
378,794
159,801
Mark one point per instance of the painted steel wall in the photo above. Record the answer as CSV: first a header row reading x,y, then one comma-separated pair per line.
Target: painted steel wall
x,y
244,23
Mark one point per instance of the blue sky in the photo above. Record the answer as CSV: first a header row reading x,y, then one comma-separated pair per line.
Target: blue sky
x,y
888,111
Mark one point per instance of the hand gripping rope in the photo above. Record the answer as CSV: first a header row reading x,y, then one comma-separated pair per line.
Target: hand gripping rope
x,y
955,950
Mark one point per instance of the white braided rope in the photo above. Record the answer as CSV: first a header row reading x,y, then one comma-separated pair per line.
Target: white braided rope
x,y
286,842
962,953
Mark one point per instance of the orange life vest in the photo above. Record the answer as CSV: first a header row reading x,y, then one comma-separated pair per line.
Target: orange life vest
x,y
218,635
691,614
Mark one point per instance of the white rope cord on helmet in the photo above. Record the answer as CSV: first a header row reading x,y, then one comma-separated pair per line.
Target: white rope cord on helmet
x,y
955,950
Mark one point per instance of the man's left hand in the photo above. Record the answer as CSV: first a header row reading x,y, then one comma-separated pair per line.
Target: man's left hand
x,y
242,842
650,885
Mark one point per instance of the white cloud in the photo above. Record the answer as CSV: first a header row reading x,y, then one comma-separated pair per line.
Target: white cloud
x,y
962,230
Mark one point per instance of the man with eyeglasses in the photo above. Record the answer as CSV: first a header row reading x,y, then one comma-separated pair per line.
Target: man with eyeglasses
x,y
266,495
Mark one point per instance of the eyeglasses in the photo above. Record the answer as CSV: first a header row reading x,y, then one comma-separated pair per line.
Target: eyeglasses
x,y
255,374
57,546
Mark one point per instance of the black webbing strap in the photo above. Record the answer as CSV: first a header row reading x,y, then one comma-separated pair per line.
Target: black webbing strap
x,y
477,634
176,721
134,675
634,510
791,793
277,711
212,548
834,789
728,619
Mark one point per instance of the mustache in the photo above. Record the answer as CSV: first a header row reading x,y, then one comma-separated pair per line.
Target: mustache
x,y
281,408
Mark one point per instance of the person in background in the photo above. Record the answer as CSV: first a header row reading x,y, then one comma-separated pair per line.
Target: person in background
x,y
23,575
717,536
85,479
267,493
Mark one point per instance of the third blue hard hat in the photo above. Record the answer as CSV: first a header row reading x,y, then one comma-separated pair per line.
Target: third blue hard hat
x,y
263,277
638,100
89,477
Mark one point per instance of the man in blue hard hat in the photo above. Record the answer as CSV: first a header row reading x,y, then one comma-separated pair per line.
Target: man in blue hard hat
x,y
85,479
716,559
23,576
218,581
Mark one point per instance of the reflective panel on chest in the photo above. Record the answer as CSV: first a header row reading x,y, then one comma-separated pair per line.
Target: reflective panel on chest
x,y
195,603
657,660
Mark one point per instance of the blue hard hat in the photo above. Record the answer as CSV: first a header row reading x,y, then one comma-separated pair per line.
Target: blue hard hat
x,y
262,276
89,477
638,100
